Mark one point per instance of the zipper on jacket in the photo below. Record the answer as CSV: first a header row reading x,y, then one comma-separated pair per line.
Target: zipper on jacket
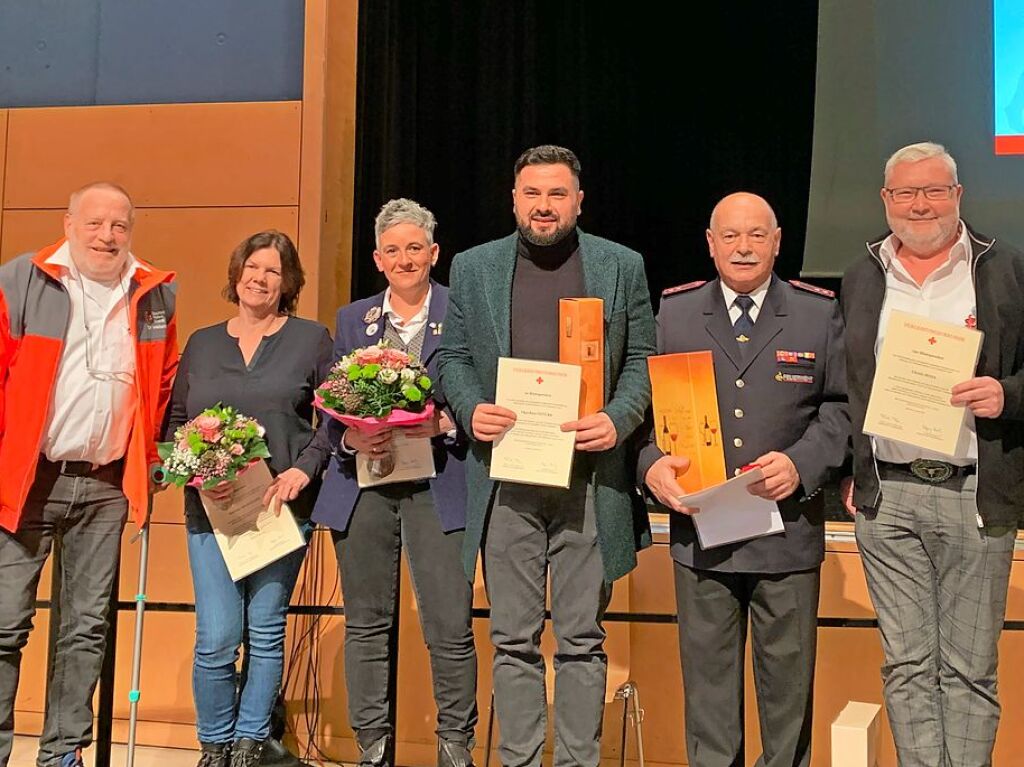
x,y
874,460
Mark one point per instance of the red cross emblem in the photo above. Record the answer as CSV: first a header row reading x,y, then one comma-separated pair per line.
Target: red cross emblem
x,y
932,341
540,380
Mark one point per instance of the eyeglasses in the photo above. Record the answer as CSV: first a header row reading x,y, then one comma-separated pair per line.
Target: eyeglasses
x,y
120,376
905,194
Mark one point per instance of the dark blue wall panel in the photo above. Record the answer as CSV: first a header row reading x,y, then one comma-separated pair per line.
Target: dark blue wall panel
x,y
81,52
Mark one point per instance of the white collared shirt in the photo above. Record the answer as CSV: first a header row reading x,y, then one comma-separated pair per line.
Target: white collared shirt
x,y
94,397
757,295
946,295
407,330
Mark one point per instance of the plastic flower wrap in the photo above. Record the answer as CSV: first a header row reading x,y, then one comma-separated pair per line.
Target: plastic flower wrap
x,y
213,447
377,386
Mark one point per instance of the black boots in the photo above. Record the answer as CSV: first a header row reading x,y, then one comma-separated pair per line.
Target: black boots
x,y
451,753
214,755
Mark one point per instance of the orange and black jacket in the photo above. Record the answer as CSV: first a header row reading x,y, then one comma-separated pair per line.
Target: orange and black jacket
x,y
34,314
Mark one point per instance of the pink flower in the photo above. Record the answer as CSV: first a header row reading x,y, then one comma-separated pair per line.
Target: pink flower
x,y
393,358
183,445
370,355
209,427
237,449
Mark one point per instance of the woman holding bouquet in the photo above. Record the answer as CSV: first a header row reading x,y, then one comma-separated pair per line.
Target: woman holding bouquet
x,y
427,517
265,363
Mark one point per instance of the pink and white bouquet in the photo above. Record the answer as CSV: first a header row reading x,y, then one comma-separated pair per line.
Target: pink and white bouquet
x,y
214,447
377,386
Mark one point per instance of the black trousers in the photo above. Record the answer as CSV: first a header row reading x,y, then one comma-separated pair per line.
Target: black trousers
x,y
713,611
386,520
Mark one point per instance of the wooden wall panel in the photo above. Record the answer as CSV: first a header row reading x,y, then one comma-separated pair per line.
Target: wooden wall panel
x,y
165,155
166,678
168,577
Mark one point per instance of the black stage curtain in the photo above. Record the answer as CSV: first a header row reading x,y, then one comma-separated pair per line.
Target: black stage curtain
x,y
666,117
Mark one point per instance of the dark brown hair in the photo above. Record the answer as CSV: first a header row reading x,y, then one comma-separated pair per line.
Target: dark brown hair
x,y
292,276
548,154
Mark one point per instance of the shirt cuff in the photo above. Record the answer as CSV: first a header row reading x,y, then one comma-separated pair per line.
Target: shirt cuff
x,y
343,446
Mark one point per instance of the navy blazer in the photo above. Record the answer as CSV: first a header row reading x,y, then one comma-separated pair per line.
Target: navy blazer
x,y
340,490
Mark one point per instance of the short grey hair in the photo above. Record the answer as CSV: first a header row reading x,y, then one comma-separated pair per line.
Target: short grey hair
x,y
923,150
106,186
404,211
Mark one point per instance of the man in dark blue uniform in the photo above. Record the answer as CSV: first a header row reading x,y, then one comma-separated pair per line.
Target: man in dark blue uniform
x,y
781,384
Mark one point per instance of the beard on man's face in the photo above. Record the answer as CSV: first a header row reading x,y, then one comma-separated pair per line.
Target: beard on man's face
x,y
556,235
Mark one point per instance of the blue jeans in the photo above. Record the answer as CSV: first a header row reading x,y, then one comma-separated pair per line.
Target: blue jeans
x,y
254,609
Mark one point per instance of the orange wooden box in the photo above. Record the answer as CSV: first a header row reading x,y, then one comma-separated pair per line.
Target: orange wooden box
x,y
581,342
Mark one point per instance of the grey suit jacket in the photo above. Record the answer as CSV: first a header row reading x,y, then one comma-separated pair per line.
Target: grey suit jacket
x,y
477,333
767,402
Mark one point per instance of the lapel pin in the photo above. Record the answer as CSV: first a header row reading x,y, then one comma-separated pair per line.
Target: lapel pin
x,y
372,315
372,329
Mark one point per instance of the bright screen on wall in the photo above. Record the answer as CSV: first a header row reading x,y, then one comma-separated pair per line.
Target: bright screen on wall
x,y
1008,68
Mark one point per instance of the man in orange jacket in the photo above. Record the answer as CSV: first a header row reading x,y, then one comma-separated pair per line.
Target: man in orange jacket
x,y
88,351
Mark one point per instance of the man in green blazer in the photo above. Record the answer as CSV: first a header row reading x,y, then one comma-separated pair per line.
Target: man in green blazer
x,y
504,303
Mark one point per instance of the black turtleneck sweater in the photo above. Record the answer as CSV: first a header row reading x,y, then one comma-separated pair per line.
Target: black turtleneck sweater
x,y
543,274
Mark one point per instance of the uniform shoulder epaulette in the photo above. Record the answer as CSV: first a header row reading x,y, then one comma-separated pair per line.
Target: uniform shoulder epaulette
x,y
682,288
813,289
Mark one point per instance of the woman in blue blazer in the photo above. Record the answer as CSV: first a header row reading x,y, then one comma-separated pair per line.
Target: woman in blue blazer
x,y
371,525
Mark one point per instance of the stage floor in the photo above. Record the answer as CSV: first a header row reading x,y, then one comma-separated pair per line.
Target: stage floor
x,y
24,755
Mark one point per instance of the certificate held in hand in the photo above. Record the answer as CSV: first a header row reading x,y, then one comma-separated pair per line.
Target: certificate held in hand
x,y
250,535
543,395
920,362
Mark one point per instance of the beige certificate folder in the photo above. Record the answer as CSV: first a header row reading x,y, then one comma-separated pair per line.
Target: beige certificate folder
x,y
250,536
920,361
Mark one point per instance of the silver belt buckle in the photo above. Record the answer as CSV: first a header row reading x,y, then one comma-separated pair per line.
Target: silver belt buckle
x,y
931,471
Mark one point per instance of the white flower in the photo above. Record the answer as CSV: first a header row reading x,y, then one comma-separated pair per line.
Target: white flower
x,y
408,375
387,375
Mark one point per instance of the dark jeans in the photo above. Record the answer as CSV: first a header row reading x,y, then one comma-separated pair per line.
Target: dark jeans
x,y
531,531
386,519
85,517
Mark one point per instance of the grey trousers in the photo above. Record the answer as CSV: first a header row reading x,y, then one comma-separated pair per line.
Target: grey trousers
x,y
385,520
85,517
532,530
713,610
938,583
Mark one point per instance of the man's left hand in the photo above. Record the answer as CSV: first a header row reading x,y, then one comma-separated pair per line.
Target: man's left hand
x,y
984,396
593,432
781,479
285,487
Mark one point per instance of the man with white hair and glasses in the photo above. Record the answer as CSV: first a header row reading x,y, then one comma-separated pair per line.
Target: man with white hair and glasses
x,y
936,532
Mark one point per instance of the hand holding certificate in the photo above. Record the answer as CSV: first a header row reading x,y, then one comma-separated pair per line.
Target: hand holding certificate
x,y
543,395
728,512
249,534
920,362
